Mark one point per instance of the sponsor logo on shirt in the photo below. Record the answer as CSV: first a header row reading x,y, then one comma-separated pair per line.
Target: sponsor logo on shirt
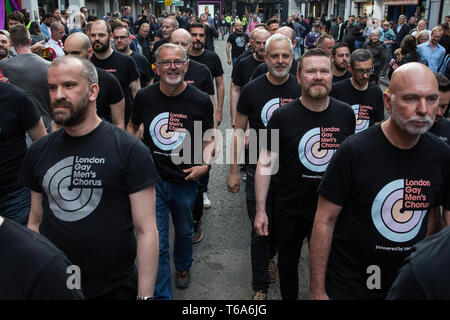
x,y
317,147
271,106
400,207
73,188
167,130
362,116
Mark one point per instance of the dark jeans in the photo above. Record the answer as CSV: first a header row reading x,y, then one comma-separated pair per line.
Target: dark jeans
x,y
262,249
16,206
198,206
291,231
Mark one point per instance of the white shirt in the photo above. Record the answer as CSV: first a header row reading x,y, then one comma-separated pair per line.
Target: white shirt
x,y
55,46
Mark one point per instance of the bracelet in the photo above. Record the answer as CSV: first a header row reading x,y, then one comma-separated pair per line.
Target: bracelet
x,y
145,298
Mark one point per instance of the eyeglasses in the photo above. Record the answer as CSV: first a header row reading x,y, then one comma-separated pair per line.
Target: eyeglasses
x,y
120,37
363,71
167,63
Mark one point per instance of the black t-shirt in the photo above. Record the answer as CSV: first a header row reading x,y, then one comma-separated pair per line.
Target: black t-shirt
x,y
169,127
18,113
32,267
424,276
262,69
199,76
211,60
260,98
442,130
160,42
244,70
85,184
247,52
385,193
307,142
368,105
110,93
238,42
125,70
346,75
146,73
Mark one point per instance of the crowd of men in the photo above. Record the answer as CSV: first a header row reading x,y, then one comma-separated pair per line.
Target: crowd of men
x,y
108,127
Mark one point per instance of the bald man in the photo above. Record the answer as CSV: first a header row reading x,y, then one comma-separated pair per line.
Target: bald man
x,y
110,100
379,194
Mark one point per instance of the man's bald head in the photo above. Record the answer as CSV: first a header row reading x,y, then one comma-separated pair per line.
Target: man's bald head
x,y
259,32
288,32
182,38
409,73
78,44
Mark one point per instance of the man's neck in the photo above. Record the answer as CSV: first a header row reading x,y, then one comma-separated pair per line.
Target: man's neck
x,y
397,136
104,55
171,90
315,105
339,72
433,45
276,81
255,56
22,50
357,86
127,51
89,124
196,53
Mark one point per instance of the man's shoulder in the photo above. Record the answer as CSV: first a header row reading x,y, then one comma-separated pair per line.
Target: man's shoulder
x,y
195,65
211,54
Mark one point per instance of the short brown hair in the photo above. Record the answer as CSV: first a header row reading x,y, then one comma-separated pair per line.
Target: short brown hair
x,y
16,15
20,36
317,52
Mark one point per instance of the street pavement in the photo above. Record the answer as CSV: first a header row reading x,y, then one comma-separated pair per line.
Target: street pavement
x,y
222,268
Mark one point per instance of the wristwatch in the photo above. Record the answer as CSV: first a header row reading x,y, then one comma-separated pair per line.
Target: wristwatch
x,y
145,298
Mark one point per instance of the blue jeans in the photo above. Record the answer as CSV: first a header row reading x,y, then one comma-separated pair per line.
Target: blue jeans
x,y
358,44
179,199
16,206
298,48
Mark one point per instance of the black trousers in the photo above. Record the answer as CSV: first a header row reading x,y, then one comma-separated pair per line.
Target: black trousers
x,y
198,206
262,249
290,233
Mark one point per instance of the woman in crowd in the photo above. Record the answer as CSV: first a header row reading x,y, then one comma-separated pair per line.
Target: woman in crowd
x,y
376,49
422,37
408,50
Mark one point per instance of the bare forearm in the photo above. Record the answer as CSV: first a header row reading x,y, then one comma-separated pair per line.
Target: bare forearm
x,y
262,183
147,260
234,97
220,96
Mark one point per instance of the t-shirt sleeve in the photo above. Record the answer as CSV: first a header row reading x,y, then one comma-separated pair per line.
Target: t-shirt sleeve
x,y
273,130
140,168
258,71
27,177
243,106
115,93
133,72
218,69
237,79
136,113
29,113
208,83
406,286
230,38
337,180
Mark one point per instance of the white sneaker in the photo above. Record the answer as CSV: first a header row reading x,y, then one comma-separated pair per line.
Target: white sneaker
x,y
206,201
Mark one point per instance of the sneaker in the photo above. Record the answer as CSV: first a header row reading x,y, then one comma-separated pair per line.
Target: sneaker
x,y
273,273
198,234
244,178
259,295
183,279
206,201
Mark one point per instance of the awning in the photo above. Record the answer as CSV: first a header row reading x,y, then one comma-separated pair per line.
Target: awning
x,y
400,2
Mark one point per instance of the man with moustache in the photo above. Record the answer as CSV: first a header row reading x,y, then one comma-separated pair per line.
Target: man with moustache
x,y
122,43
378,196
310,130
120,65
92,190
168,110
237,42
258,100
4,45
214,64
340,56
262,68
365,98
169,25
246,67
110,100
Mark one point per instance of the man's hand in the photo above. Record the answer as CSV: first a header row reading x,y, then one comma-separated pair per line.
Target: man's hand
x,y
196,172
261,224
229,61
218,119
38,46
233,182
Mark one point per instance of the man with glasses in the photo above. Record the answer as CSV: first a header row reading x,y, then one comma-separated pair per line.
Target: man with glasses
x,y
340,56
169,110
366,99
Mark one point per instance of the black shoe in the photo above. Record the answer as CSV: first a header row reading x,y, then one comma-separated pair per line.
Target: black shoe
x,y
183,279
